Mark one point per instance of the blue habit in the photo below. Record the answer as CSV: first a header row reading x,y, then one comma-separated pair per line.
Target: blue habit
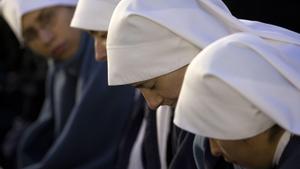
x,y
82,121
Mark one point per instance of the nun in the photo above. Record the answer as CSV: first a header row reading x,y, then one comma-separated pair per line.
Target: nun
x,y
83,120
151,42
242,92
94,16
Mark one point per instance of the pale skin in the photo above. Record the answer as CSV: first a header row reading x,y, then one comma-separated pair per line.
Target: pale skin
x,y
162,90
100,44
47,32
252,153
255,153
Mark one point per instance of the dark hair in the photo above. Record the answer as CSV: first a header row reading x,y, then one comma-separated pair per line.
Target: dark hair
x,y
274,132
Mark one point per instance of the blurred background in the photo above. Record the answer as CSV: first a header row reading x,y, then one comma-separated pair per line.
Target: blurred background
x,y
22,77
282,13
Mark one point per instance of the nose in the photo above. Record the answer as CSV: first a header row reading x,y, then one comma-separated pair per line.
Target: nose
x,y
214,148
153,99
46,36
100,47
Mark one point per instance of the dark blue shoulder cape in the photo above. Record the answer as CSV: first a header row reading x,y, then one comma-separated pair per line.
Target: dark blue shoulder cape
x,y
83,119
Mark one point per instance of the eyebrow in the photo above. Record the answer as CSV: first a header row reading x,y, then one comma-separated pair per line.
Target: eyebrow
x,y
38,18
41,15
139,85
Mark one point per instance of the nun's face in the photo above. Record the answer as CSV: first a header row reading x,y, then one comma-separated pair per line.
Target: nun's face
x,y
163,90
47,32
100,44
253,153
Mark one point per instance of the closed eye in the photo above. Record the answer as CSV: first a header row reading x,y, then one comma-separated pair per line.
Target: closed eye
x,y
147,85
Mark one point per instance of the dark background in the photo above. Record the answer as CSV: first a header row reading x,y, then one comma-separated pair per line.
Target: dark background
x,y
282,13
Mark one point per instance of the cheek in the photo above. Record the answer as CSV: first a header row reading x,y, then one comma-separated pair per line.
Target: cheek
x,y
39,49
168,93
100,51
168,89
101,43
73,34
238,153
232,150
172,91
175,87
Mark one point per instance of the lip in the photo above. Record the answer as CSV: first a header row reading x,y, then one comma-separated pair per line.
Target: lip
x,y
59,49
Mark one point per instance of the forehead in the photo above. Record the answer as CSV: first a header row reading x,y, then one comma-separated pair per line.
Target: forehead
x,y
35,16
30,18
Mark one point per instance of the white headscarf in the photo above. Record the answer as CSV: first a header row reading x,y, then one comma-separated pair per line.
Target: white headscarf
x,y
93,14
150,38
27,6
240,86
9,11
14,9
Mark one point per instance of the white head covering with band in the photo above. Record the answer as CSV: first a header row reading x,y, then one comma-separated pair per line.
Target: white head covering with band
x,y
9,11
14,10
150,38
93,14
240,86
27,6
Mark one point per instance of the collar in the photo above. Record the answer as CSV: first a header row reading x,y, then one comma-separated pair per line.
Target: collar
x,y
284,140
